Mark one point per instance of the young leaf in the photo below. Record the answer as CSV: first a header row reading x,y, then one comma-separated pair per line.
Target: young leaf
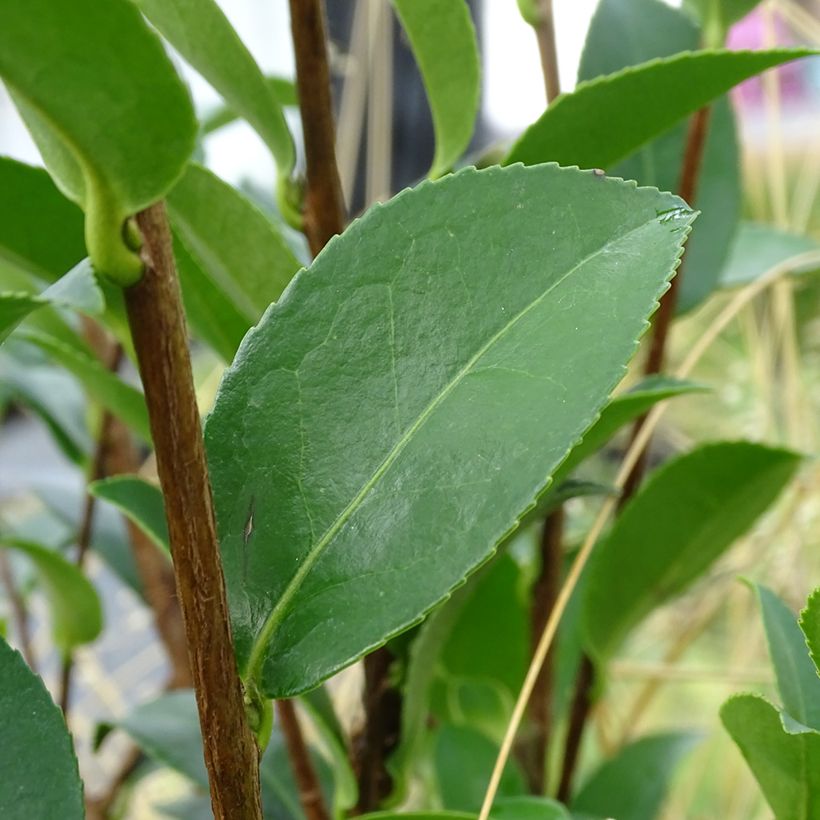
x,y
76,614
443,39
686,515
102,385
810,624
797,679
138,499
41,232
40,775
112,119
235,245
785,764
758,248
635,105
625,34
633,784
200,32
461,331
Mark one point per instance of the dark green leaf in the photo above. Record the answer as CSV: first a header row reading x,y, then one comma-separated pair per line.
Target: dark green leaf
x,y
199,30
758,248
443,39
462,333
112,119
785,764
140,501
810,625
40,777
76,614
633,784
628,32
797,678
685,516
635,105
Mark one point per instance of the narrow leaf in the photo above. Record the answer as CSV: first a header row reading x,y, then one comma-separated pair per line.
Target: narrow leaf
x,y
635,105
443,39
202,34
686,515
284,91
40,775
797,679
786,765
112,119
140,501
810,625
462,333
76,614
633,784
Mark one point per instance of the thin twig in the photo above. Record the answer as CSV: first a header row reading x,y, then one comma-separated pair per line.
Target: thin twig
x,y
157,322
19,610
545,34
99,808
324,204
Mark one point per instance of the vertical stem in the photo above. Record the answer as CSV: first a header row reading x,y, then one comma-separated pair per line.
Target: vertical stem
x,y
579,713
545,34
310,793
157,323
324,205
18,607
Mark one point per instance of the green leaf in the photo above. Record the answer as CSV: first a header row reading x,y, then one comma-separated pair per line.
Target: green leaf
x,y
284,91
464,760
41,232
201,33
810,624
140,500
758,248
112,119
786,765
78,289
797,678
76,614
686,515
720,12
625,34
529,808
461,332
635,105
235,245
633,784
443,40
40,775
102,385
419,815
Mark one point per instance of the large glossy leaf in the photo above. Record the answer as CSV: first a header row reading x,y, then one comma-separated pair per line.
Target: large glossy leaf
x,y
785,764
757,248
443,39
628,32
199,30
426,362
810,625
685,516
236,246
797,679
101,384
40,775
140,501
112,119
76,614
636,105
633,784
29,199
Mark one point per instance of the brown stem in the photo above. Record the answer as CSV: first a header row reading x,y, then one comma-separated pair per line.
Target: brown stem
x,y
579,712
545,34
18,608
544,594
324,205
157,323
310,793
381,732
99,808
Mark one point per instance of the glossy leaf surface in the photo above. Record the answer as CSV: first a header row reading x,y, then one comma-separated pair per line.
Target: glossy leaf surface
x,y
683,518
40,775
444,43
428,360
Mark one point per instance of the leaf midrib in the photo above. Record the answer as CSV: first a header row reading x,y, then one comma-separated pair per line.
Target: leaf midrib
x,y
277,614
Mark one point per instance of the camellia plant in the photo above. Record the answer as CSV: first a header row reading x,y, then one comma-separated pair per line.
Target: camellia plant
x,y
391,469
